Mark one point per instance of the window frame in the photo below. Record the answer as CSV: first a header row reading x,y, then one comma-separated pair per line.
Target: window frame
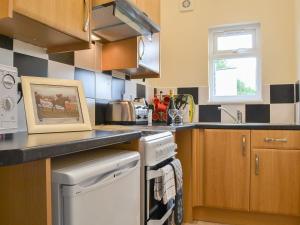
x,y
229,30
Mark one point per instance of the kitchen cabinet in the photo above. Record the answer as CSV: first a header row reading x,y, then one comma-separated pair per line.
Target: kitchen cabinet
x,y
48,24
275,139
25,193
248,176
138,57
227,169
151,9
275,181
275,172
133,1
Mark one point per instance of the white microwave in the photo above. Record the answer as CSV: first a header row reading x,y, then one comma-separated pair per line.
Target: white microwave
x,y
8,98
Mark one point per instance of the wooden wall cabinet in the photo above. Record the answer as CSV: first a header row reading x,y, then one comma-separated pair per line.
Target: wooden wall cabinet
x,y
227,169
55,25
150,8
138,57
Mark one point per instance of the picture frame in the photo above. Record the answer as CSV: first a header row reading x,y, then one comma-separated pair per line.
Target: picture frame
x,y
54,105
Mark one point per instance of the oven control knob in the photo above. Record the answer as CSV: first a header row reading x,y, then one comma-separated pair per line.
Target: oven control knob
x,y
7,104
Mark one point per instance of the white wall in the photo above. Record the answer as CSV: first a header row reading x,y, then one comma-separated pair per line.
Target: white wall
x,y
184,38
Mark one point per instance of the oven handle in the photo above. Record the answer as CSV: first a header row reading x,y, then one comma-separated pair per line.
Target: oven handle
x,y
163,219
152,174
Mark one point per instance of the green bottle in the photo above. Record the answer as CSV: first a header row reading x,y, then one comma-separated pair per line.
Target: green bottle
x,y
171,106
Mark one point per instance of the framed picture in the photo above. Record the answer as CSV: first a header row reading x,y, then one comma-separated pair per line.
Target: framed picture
x,y
54,105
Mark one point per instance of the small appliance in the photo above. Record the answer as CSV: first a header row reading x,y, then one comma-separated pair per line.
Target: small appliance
x,y
125,112
8,98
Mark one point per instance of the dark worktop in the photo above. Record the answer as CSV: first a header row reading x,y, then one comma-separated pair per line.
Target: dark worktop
x,y
20,147
248,126
244,126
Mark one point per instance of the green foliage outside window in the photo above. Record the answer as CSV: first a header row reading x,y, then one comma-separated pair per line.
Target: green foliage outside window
x,y
243,89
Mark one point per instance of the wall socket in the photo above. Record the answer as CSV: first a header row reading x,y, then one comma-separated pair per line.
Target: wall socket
x,y
186,5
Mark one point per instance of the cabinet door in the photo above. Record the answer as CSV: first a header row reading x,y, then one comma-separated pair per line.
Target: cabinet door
x,y
68,16
133,1
149,54
5,9
275,181
151,8
227,169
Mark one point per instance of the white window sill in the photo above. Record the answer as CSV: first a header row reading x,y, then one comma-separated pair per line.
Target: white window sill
x,y
239,101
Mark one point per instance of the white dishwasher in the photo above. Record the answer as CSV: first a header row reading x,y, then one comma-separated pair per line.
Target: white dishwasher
x,y
96,188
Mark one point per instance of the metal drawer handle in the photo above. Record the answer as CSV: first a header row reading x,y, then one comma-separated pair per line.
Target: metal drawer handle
x,y
256,165
86,16
278,140
244,145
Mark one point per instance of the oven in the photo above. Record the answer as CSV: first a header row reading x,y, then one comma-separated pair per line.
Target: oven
x,y
156,213
157,149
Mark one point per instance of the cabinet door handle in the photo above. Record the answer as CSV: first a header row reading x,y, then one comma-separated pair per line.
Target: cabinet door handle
x,y
256,165
278,140
141,46
244,145
86,21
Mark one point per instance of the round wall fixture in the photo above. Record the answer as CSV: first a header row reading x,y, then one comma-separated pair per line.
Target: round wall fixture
x,y
186,5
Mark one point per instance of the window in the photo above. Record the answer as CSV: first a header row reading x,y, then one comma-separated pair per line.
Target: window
x,y
234,64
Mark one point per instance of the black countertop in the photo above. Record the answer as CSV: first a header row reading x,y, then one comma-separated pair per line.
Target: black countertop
x,y
248,126
244,126
20,147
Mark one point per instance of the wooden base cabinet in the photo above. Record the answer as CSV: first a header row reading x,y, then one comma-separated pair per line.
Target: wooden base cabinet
x,y
275,181
227,169
25,194
246,177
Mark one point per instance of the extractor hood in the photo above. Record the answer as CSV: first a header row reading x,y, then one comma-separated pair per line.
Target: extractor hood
x,y
119,19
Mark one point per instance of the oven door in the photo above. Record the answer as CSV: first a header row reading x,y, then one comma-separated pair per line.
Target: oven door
x,y
157,213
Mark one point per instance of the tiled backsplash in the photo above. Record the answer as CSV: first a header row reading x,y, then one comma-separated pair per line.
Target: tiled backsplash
x,y
80,65
278,105
297,105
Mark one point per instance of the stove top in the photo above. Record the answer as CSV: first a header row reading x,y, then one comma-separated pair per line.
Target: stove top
x,y
148,133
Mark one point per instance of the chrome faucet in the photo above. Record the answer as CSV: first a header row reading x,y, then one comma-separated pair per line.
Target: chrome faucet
x,y
239,116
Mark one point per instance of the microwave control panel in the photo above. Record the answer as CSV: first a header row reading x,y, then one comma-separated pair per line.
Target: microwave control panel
x,y
8,98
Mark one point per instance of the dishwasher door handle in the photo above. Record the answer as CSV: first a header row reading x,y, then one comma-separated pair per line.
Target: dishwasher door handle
x,y
103,179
